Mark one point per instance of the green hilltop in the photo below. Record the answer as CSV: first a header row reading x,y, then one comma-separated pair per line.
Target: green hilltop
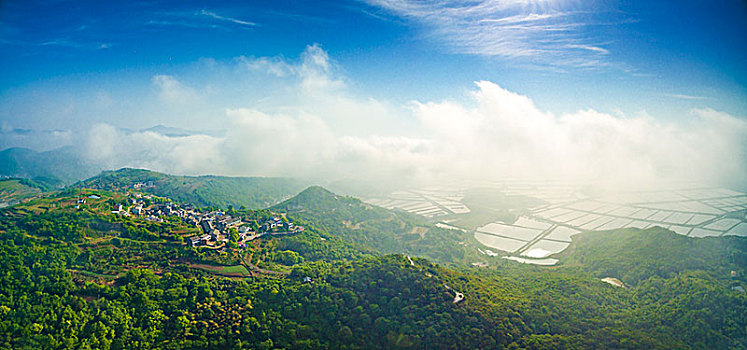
x,y
372,228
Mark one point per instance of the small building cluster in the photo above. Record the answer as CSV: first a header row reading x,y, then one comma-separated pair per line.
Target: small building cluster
x,y
143,185
80,202
216,226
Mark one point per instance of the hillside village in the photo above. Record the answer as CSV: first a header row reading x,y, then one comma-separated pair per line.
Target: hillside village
x,y
218,228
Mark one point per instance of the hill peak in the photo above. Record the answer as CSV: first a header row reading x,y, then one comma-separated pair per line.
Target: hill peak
x,y
315,198
133,171
314,194
316,191
18,150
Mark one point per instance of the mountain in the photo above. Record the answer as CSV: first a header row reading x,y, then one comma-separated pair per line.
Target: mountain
x,y
316,199
373,228
58,166
178,132
219,191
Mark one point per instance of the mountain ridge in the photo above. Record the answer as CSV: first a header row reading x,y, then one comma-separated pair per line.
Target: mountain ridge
x,y
204,190
61,165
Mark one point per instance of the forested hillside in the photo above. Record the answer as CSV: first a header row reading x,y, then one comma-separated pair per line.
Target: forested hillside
x,y
203,191
374,228
635,255
78,276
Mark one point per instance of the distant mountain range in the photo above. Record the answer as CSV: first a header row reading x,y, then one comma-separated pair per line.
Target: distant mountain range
x,y
209,190
179,132
56,167
67,165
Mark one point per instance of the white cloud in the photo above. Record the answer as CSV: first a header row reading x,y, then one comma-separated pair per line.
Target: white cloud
x,y
546,32
278,145
589,48
171,90
40,140
227,19
309,124
686,97
201,19
273,66
505,135
114,148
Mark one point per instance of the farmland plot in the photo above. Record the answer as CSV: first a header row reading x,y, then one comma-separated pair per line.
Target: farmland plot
x,y
544,248
500,243
562,233
515,232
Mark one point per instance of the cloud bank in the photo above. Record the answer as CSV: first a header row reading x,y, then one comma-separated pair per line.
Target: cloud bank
x,y
303,121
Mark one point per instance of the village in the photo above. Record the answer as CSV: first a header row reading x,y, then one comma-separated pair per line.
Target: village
x,y
218,228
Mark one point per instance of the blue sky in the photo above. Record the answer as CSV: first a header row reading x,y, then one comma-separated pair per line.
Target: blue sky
x,y
601,54
69,65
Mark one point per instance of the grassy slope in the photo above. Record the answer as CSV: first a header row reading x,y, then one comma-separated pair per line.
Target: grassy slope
x,y
13,190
